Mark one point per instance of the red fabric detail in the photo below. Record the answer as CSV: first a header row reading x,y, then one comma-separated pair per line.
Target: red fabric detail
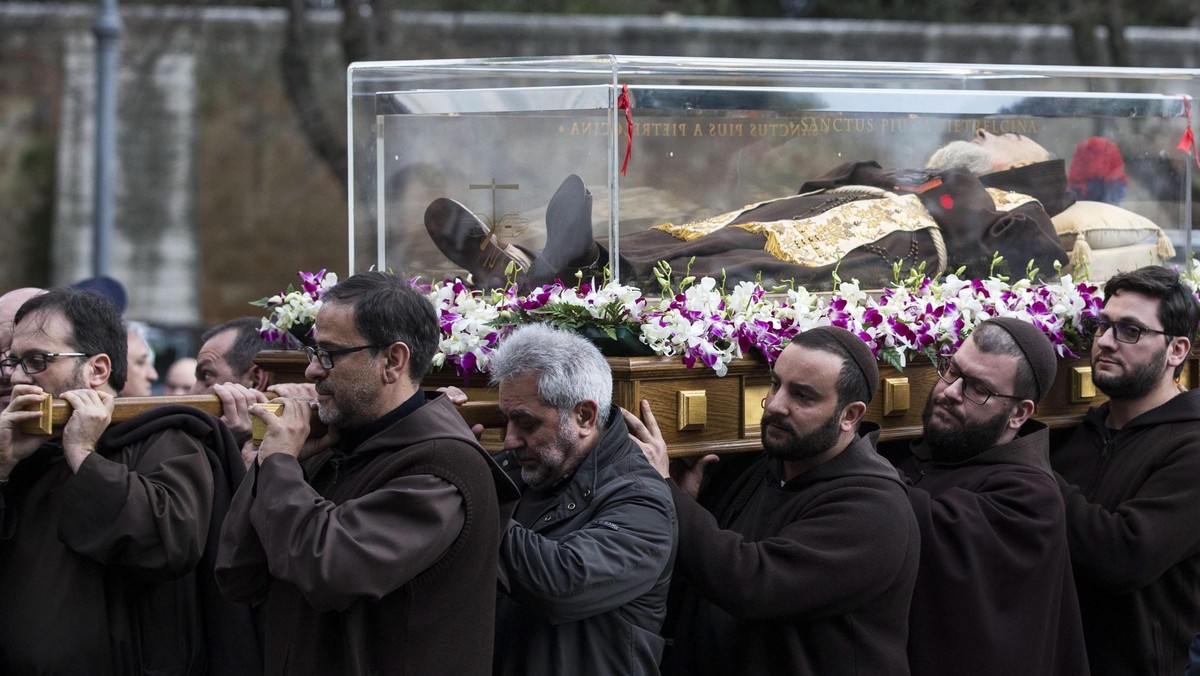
x,y
1188,142
1096,158
947,202
623,104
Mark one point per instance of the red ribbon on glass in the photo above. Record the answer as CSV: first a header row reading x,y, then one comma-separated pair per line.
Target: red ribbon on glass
x,y
623,104
1188,143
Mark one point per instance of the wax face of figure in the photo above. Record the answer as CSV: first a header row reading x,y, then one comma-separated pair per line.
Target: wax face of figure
x,y
547,445
141,368
801,418
961,427
1010,150
48,332
348,393
1130,370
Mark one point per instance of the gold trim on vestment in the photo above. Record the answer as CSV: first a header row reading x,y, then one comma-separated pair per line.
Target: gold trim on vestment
x,y
825,238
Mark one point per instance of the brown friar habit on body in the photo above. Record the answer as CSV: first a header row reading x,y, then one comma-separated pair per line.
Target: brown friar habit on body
x,y
104,571
332,558
994,593
811,576
1133,509
968,221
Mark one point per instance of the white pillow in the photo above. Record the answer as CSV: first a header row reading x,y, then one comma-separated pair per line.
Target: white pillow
x,y
1103,226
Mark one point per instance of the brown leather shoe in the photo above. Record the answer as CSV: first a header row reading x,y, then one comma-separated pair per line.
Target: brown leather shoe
x,y
466,241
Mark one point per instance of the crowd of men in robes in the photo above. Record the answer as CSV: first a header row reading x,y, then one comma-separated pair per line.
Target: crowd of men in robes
x,y
390,542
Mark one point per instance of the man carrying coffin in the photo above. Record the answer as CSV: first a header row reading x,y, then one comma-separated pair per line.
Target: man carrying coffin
x,y
107,534
372,549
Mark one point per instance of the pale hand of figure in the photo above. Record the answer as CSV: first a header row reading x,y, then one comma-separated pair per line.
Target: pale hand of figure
x,y
649,438
289,431
15,446
236,400
458,398
91,412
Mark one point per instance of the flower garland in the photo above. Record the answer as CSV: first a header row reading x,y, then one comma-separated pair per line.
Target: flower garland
x,y
701,323
295,311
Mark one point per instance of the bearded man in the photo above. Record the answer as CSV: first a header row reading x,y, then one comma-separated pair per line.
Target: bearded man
x,y
807,563
995,593
587,556
1130,476
372,549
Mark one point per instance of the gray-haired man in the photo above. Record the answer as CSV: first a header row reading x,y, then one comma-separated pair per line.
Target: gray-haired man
x,y
588,553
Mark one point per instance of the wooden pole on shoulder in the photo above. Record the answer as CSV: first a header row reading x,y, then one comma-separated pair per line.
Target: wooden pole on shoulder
x,y
56,412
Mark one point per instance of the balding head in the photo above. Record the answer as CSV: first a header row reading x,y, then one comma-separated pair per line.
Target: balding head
x,y
9,304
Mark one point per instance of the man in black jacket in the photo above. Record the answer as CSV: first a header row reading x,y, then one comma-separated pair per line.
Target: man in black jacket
x,y
994,593
1130,477
588,553
808,562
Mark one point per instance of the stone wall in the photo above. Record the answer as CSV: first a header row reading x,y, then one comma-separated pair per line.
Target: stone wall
x,y
220,200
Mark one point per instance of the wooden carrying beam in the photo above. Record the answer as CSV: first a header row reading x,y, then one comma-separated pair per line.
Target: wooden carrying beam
x,y
56,412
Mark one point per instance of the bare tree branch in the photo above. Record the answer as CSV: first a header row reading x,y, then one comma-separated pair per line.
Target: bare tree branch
x,y
295,68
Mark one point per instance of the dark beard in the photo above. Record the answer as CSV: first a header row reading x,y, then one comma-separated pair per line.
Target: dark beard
x,y
803,446
955,445
1136,382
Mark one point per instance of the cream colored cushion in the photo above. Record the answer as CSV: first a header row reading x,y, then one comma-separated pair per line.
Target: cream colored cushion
x,y
1105,263
1104,226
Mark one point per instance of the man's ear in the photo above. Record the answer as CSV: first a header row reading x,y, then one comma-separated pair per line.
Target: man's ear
x,y
1022,413
587,414
397,363
1178,351
100,367
257,378
852,414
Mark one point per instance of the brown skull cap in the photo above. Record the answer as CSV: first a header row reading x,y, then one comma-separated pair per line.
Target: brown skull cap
x,y
1036,347
861,354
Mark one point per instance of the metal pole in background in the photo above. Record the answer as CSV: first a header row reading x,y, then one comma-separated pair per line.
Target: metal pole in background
x,y
107,29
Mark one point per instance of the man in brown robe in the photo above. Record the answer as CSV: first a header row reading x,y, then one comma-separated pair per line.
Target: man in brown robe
x,y
373,549
806,564
995,592
102,533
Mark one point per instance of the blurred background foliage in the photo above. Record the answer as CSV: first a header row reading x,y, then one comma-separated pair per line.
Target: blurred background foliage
x,y
1157,13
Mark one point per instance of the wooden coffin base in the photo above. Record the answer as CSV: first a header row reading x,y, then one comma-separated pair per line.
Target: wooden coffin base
x,y
701,413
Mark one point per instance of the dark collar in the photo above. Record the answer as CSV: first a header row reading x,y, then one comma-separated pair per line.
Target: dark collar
x,y
354,437
1044,181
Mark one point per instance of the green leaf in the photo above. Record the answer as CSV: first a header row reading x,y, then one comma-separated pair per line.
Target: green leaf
x,y
891,357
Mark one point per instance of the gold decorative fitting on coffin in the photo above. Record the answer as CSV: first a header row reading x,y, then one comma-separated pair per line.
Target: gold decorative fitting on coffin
x,y
1082,388
692,410
895,396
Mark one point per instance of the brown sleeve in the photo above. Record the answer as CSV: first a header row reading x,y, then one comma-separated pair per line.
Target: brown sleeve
x,y
974,228
241,569
365,547
150,512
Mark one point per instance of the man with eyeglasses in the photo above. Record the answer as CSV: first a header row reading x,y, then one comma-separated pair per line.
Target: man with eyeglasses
x,y
9,304
107,532
1130,477
372,549
994,593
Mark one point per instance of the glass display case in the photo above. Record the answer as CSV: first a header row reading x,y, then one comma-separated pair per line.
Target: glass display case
x,y
790,172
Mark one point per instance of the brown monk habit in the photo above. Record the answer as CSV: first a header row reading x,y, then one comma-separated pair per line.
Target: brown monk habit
x,y
968,221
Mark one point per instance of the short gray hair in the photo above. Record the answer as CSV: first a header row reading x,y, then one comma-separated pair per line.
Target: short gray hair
x,y
961,154
570,369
